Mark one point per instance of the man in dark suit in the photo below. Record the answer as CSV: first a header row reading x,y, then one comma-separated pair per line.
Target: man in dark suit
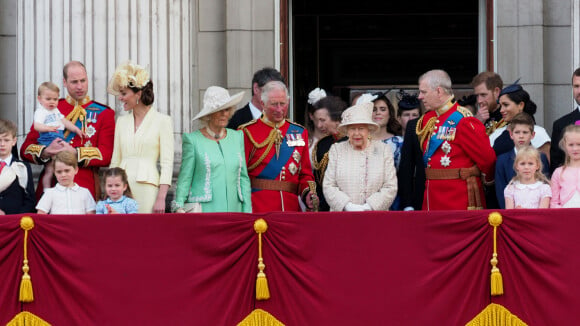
x,y
557,156
411,174
253,110
16,186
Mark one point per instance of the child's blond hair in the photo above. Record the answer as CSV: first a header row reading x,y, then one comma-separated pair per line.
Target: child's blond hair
x,y
48,86
530,152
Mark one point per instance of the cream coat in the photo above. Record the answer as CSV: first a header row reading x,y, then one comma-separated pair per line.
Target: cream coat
x,y
139,151
367,176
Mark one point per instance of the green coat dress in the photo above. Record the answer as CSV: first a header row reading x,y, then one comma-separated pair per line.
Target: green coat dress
x,y
214,174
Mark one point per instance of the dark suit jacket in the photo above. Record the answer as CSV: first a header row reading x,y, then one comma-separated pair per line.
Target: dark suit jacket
x,y
411,175
14,200
241,116
557,156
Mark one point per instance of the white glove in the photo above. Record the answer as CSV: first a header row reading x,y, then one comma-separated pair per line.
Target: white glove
x,y
409,208
350,207
367,207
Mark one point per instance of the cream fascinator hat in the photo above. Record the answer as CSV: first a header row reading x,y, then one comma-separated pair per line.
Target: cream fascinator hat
x,y
358,114
216,99
316,95
128,75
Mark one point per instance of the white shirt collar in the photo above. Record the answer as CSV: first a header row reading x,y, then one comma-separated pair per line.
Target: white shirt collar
x,y
256,113
75,187
8,160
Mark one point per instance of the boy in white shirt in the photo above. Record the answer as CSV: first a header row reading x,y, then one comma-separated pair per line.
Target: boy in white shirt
x,y
66,197
50,123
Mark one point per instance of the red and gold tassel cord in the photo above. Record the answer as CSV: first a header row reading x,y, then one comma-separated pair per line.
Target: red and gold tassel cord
x,y
262,291
26,294
495,220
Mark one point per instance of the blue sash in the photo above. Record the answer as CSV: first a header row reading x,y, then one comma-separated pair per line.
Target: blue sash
x,y
272,170
93,110
436,140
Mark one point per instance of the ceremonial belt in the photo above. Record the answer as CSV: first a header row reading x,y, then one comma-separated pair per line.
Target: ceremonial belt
x,y
468,174
276,185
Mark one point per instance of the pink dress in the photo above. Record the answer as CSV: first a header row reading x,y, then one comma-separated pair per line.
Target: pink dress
x,y
565,187
527,195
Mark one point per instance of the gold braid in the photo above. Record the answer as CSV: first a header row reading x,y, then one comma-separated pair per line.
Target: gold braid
x,y
322,165
269,141
495,125
425,133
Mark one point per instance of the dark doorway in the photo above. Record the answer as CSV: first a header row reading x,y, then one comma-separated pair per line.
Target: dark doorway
x,y
341,45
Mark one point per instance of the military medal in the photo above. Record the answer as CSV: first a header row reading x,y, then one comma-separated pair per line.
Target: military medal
x,y
88,144
91,131
446,148
92,117
296,155
290,140
299,140
293,168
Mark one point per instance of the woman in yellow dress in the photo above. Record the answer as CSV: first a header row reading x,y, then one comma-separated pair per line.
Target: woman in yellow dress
x,y
143,138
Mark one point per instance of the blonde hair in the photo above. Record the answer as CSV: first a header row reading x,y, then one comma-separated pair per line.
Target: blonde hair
x,y
562,144
48,86
527,152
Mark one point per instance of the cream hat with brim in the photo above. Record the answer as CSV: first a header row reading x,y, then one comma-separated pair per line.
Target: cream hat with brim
x,y
216,99
358,114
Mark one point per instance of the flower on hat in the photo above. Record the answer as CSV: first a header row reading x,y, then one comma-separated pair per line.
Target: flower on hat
x,y
316,95
366,98
128,75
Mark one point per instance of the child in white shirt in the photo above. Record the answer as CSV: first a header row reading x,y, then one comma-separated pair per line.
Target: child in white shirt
x,y
66,197
50,123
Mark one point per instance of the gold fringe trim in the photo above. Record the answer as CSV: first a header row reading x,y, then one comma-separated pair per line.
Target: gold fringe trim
x,y
262,291
26,318
259,317
26,294
78,112
495,220
496,315
275,137
494,126
424,133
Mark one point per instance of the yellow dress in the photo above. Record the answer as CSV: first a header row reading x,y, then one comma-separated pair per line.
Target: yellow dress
x,y
137,152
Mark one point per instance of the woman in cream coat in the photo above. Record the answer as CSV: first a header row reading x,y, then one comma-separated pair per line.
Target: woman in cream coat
x,y
213,175
142,138
361,175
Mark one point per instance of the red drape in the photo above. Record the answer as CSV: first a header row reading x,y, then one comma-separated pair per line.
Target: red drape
x,y
385,268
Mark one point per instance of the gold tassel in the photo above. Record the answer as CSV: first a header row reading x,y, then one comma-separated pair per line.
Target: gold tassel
x,y
26,293
25,318
495,220
495,314
262,291
259,317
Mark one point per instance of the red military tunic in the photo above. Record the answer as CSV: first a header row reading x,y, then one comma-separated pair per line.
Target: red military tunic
x,y
465,146
93,152
291,169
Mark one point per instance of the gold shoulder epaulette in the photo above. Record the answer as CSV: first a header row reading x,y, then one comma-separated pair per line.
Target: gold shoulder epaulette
x,y
249,123
465,111
294,123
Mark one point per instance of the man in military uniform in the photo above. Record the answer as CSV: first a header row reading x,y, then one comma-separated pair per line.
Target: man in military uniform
x,y
456,149
277,156
95,119
486,86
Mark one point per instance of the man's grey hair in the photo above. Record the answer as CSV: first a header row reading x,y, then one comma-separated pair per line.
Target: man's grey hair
x,y
437,78
273,85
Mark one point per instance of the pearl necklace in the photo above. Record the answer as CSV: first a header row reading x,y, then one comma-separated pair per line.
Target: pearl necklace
x,y
214,135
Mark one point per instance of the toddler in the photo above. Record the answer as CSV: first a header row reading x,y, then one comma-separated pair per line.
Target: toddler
x,y
66,197
566,179
50,123
119,198
529,188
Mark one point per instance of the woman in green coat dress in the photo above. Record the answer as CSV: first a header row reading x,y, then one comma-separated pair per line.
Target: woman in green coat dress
x,y
213,175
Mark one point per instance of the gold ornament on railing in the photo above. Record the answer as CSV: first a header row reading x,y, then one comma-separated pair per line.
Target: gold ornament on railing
x,y
262,291
26,293
495,219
